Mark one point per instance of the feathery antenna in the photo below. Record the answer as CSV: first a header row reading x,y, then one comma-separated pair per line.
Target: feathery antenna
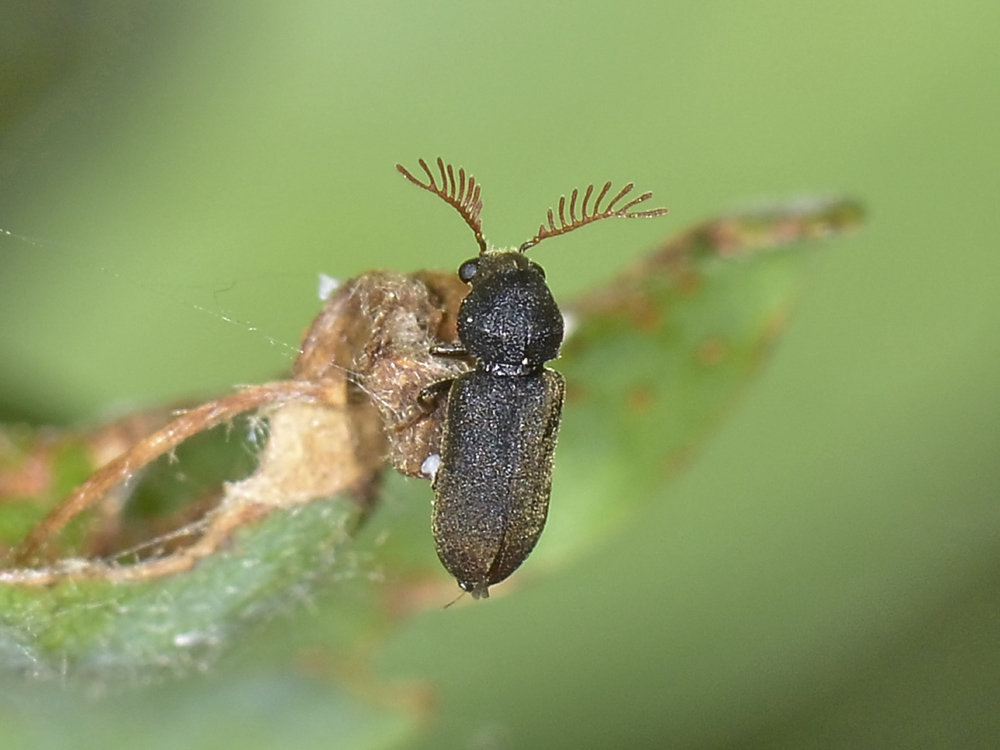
x,y
594,214
464,196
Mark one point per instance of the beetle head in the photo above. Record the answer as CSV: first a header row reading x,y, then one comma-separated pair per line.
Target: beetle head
x,y
509,321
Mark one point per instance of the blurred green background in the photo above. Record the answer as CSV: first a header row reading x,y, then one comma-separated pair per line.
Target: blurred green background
x,y
827,574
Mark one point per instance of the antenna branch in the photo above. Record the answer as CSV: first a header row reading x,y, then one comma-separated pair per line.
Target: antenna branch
x,y
589,215
463,196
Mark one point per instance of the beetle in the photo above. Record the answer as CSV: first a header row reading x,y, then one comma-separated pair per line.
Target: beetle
x,y
494,478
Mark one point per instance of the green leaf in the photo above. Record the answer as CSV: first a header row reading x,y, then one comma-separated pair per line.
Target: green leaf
x,y
661,354
654,360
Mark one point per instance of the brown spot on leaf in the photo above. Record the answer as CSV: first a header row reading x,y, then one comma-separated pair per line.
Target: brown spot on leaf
x,y
645,314
640,398
688,280
576,392
25,473
676,462
712,351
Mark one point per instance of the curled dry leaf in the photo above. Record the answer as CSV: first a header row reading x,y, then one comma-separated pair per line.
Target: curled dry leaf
x,y
346,409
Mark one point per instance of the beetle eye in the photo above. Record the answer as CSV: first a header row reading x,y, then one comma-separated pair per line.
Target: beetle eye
x,y
538,268
468,269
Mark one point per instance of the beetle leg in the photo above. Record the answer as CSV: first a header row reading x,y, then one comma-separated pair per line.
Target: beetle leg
x,y
429,397
448,350
427,402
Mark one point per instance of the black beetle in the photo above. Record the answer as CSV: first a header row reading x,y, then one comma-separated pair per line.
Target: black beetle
x,y
494,478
